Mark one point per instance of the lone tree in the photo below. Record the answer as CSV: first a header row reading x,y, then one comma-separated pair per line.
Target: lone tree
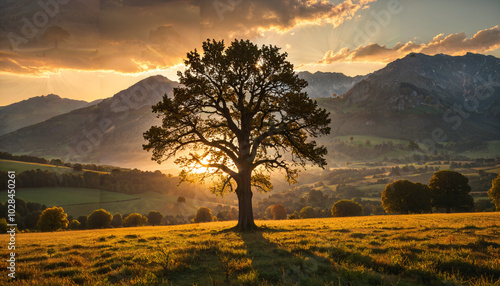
x,y
494,192
240,113
449,190
404,197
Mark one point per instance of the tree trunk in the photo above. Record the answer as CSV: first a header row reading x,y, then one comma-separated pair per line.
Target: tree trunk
x,y
244,193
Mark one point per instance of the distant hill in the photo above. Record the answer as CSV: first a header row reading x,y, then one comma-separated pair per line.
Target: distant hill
x,y
35,110
328,84
107,132
459,96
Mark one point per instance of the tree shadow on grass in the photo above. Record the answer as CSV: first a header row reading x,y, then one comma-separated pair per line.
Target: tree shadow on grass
x,y
277,265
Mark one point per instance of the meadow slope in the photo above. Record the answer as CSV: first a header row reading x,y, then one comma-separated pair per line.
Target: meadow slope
x,y
435,249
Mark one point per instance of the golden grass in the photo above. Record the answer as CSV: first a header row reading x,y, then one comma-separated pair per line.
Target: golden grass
x,y
437,249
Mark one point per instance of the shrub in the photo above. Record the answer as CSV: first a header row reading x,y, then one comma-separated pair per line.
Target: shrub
x,y
52,219
99,219
346,208
135,219
203,215
181,199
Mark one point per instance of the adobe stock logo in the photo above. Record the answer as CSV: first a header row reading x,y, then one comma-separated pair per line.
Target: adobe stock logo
x,y
39,20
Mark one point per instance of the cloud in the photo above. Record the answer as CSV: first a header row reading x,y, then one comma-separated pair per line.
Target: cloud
x,y
454,44
136,35
240,18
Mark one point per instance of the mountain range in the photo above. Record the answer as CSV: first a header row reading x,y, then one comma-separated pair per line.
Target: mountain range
x,y
413,96
328,84
35,110
418,97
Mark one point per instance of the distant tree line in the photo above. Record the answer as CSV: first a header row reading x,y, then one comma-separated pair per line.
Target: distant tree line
x,y
32,216
23,158
128,182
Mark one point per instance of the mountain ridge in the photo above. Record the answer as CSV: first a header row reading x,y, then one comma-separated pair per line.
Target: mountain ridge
x,y
39,108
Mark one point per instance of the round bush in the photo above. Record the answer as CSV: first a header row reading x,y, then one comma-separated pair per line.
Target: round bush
x,y
135,219
99,219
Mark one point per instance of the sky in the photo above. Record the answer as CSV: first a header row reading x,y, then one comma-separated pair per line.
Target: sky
x,y
91,49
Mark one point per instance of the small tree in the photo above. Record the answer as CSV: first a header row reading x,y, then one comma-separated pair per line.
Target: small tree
x,y
52,219
77,167
154,217
403,196
117,221
494,192
135,219
181,199
307,212
99,219
451,190
344,208
279,212
203,215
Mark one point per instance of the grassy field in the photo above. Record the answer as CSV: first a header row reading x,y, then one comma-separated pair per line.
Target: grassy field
x,y
82,201
438,249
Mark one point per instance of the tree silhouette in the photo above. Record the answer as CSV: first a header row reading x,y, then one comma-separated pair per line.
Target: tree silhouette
x,y
449,190
55,34
344,208
154,217
240,113
404,197
99,219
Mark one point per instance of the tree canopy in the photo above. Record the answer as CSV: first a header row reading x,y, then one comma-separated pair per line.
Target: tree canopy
x,y
404,197
99,219
239,114
279,212
451,190
203,215
52,219
344,208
